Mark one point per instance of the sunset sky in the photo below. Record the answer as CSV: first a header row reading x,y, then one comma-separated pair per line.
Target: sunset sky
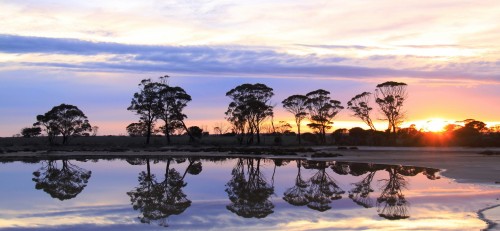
x,y
92,54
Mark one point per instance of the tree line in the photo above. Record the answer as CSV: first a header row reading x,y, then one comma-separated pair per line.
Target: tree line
x,y
249,112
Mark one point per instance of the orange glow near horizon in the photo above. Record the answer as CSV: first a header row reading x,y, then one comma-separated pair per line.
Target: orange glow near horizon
x,y
428,125
433,124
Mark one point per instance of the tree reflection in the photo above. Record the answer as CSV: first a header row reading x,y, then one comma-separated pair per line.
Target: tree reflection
x,y
296,195
62,183
392,203
361,191
360,194
322,188
249,195
158,200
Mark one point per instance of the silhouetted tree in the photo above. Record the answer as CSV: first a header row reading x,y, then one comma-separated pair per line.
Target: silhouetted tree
x,y
358,136
95,129
221,128
196,131
297,105
249,195
146,104
340,136
359,104
31,132
61,182
249,108
66,120
390,97
172,102
137,129
322,110
283,127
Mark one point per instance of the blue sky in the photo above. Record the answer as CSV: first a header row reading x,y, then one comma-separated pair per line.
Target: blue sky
x,y
93,55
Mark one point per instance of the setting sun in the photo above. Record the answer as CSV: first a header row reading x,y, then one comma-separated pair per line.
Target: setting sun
x,y
435,125
429,125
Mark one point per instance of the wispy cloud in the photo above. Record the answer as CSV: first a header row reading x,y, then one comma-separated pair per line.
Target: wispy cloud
x,y
355,47
223,60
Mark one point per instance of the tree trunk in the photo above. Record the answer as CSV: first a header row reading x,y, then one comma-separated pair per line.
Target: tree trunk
x,y
148,134
258,136
298,130
167,132
191,137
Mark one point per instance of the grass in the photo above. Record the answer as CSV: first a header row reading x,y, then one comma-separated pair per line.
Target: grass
x,y
119,144
127,142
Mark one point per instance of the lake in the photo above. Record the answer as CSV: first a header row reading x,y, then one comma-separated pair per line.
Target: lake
x,y
159,193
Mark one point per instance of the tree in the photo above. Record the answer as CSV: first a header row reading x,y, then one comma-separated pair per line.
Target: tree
x,y
196,131
297,105
137,129
146,104
31,132
172,101
221,128
95,129
471,133
283,127
390,97
359,104
63,183
249,108
322,110
64,119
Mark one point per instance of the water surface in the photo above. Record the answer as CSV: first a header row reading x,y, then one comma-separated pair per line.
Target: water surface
x,y
230,193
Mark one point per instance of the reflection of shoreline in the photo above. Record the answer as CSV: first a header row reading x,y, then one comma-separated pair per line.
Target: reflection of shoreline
x,y
491,224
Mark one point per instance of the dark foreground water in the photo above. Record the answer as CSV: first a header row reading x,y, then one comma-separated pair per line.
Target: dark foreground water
x,y
238,193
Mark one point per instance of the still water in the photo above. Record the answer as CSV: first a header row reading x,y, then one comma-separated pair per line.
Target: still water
x,y
233,193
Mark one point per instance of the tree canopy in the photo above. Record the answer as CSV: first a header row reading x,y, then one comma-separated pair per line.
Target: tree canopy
x,y
297,105
322,110
158,100
146,104
390,97
31,132
66,120
249,107
360,105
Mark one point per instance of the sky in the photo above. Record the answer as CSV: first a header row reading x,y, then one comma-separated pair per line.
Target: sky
x,y
93,54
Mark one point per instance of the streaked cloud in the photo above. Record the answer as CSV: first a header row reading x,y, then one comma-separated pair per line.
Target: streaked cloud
x,y
232,60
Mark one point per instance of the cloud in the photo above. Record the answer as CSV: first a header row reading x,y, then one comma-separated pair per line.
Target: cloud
x,y
356,47
220,60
